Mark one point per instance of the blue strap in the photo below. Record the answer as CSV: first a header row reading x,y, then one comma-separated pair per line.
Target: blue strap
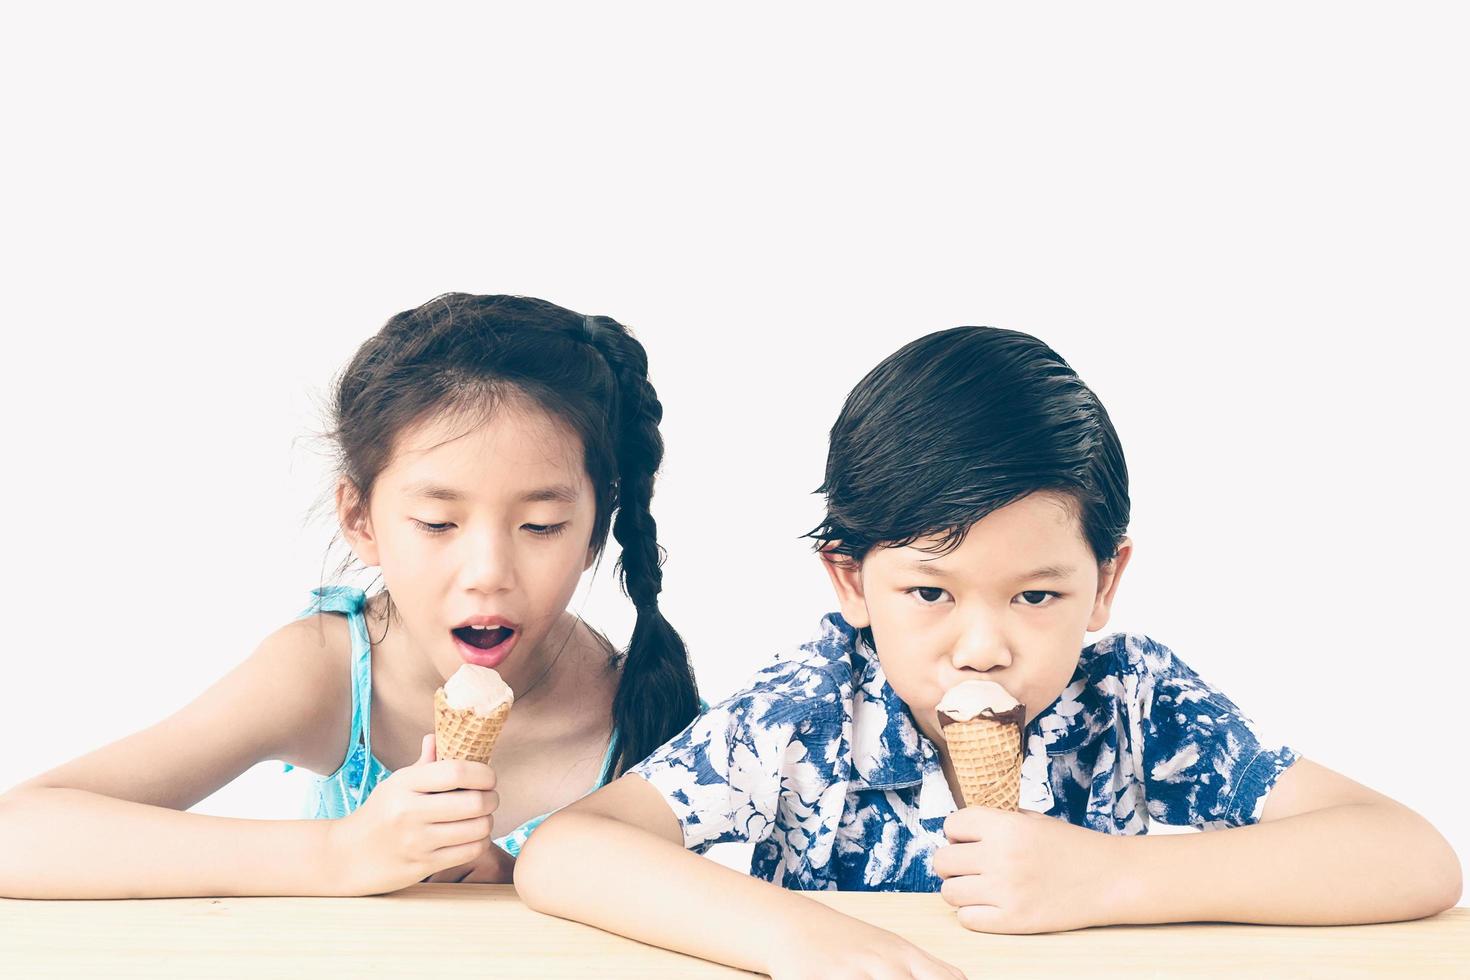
x,y
351,602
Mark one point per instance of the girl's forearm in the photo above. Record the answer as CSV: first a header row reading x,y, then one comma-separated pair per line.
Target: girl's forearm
x,y
69,843
1309,869
601,871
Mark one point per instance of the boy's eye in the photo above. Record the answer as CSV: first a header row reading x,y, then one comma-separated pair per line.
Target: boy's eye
x,y
1037,598
545,530
431,528
927,595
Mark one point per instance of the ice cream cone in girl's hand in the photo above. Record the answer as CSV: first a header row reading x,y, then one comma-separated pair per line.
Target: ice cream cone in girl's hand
x,y
469,712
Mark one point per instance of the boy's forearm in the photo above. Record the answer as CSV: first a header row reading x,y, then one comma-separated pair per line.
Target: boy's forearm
x,y
68,843
615,876
1301,870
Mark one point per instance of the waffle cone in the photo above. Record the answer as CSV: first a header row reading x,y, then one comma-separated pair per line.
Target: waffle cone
x,y
987,760
461,733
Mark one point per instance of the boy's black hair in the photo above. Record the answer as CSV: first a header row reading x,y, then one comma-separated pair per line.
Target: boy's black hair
x,y
464,353
959,424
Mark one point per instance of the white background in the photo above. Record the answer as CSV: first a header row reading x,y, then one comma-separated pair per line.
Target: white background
x,y
1245,227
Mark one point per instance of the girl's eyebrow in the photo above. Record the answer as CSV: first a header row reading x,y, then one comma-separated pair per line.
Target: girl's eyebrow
x,y
558,492
433,491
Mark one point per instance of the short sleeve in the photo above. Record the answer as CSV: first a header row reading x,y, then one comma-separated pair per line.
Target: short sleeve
x,y
724,775
1204,763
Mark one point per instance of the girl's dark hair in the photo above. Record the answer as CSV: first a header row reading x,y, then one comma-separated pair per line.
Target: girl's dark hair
x,y
961,423
463,353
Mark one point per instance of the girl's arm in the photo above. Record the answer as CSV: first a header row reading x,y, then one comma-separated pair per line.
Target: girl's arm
x,y
616,860
108,825
1327,851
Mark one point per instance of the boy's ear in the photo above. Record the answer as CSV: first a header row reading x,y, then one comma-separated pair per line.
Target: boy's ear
x,y
352,516
847,582
1109,574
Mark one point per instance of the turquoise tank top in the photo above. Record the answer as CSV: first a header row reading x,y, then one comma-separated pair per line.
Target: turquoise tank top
x,y
345,790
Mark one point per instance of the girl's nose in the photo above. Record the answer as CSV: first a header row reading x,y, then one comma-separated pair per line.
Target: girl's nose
x,y
488,564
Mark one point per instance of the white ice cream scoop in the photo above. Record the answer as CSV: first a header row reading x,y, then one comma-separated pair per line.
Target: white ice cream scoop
x,y
970,700
476,688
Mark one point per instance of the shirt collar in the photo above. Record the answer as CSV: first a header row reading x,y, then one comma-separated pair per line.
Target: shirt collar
x,y
888,749
890,752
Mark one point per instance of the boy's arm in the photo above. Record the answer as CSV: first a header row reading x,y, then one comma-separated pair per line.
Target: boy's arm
x,y
1327,851
616,860
108,825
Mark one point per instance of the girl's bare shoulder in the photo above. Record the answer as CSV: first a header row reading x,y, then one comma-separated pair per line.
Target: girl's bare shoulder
x,y
312,658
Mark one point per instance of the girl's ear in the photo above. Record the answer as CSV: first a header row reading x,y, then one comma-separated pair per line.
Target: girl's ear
x,y
847,582
356,527
1109,574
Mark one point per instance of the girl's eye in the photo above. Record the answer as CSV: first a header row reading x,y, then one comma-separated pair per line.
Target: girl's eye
x,y
1037,599
927,595
545,530
431,528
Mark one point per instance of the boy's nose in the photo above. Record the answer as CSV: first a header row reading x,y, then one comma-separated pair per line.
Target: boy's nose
x,y
981,647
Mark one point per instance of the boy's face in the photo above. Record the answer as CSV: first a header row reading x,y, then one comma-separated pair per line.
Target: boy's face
x,y
1011,605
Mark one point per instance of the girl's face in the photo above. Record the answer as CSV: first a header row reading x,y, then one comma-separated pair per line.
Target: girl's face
x,y
484,525
1011,605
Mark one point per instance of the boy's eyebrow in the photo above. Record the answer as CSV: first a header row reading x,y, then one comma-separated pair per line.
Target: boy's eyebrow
x,y
1049,571
923,567
559,492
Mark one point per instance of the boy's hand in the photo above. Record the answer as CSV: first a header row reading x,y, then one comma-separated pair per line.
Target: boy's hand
x,y
834,945
420,820
1025,872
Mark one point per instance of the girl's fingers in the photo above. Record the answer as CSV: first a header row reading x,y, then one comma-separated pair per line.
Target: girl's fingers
x,y
459,804
447,774
453,857
426,750
442,835
451,875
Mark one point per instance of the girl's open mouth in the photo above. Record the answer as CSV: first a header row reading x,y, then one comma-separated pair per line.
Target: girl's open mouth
x,y
483,639
485,647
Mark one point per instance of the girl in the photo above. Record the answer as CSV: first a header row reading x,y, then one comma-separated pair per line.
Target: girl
x,y
977,507
487,444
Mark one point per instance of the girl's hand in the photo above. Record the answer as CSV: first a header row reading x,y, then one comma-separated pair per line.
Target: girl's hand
x,y
420,820
495,867
843,948
1025,872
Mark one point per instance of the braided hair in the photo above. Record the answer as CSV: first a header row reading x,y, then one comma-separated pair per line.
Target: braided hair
x,y
464,352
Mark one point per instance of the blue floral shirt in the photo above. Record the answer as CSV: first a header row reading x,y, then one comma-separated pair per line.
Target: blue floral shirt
x,y
820,765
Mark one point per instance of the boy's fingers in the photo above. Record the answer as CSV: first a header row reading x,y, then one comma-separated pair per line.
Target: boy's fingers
x,y
953,860
973,823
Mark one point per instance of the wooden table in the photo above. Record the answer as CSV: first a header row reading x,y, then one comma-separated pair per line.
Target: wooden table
x,y
465,931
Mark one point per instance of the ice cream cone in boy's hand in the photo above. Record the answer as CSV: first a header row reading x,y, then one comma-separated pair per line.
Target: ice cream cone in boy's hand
x,y
469,712
982,724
